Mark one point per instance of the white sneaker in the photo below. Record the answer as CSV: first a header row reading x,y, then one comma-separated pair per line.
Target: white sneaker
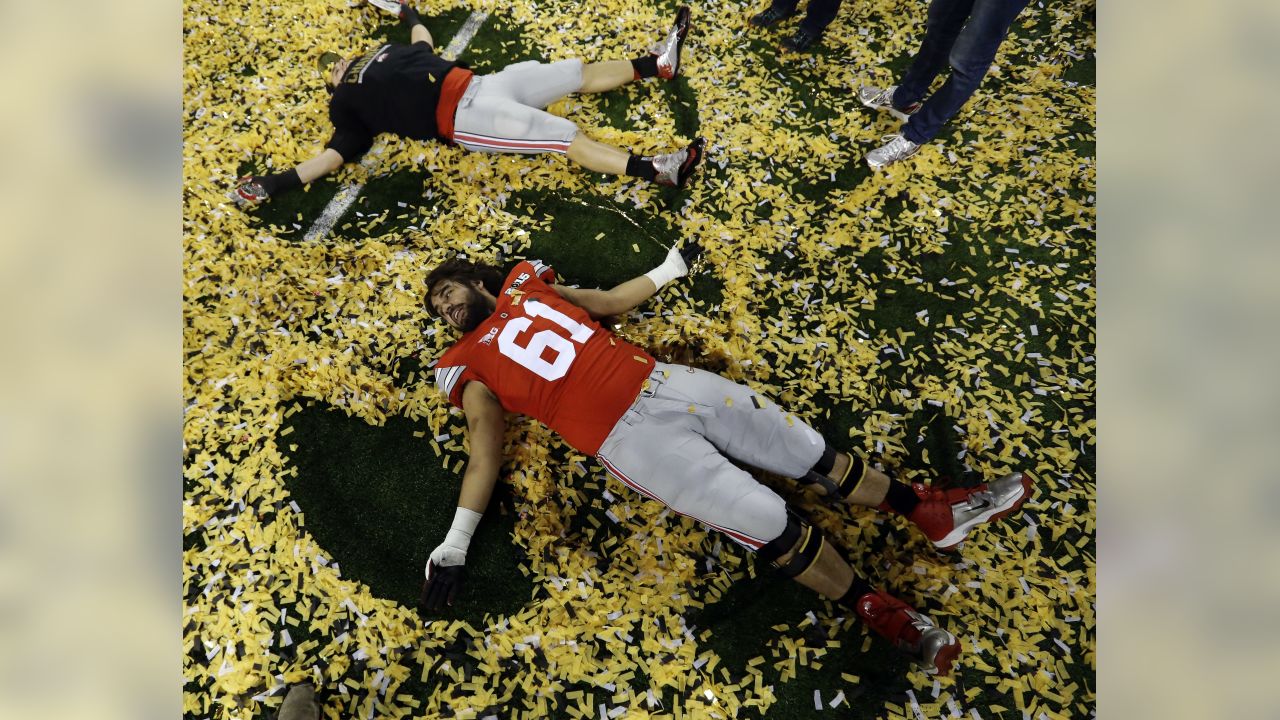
x,y
897,148
878,99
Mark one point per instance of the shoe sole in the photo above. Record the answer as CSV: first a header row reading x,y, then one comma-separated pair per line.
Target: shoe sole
x,y
682,177
879,166
808,48
682,22
903,116
888,108
951,541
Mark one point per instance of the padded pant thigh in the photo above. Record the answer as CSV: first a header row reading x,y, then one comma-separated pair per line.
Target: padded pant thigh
x,y
679,468
744,424
495,124
537,84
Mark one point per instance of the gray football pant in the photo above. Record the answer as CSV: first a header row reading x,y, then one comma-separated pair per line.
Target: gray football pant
x,y
674,443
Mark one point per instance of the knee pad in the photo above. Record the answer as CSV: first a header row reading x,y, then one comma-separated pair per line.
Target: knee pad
x,y
807,541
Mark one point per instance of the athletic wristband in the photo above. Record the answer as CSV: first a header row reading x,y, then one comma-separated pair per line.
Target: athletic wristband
x,y
278,183
671,268
464,524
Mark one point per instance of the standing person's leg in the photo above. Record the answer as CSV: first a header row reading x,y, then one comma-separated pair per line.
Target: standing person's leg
x,y
971,56
819,15
777,11
816,19
946,19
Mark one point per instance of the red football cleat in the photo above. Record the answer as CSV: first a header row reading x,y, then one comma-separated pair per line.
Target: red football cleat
x,y
929,645
947,516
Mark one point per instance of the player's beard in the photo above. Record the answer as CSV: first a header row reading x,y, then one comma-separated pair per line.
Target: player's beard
x,y
479,307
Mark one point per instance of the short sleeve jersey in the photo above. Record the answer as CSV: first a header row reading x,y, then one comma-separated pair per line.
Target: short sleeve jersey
x,y
393,89
544,357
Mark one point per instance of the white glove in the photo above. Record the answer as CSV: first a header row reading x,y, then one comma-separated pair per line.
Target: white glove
x,y
453,551
670,269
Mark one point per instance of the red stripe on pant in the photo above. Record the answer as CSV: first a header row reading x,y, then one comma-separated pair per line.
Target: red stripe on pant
x,y
503,144
746,540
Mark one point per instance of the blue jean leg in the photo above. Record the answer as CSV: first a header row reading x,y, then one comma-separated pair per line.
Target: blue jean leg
x,y
946,18
971,56
819,15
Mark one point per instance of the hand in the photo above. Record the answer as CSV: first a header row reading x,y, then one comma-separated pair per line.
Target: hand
x,y
249,191
444,573
440,587
676,264
690,252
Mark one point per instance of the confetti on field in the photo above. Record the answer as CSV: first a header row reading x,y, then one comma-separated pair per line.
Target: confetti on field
x,y
956,289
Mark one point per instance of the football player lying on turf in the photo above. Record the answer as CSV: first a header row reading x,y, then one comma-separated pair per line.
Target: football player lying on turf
x,y
411,91
670,433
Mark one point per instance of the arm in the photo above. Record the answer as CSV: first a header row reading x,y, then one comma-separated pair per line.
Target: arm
x,y
419,34
329,160
622,298
485,426
607,303
254,189
417,31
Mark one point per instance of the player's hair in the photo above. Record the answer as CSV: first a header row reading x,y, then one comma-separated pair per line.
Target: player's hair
x,y
325,64
463,271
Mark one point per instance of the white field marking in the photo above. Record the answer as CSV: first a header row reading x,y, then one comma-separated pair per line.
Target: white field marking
x,y
463,38
345,197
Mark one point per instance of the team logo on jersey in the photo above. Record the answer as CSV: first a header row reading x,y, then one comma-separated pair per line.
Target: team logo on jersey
x,y
488,337
355,73
520,280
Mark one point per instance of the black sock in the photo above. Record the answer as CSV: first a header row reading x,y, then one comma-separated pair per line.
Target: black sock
x,y
641,167
857,589
646,67
901,498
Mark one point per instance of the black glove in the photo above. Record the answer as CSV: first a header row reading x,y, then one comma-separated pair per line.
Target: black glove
x,y
253,189
409,16
690,252
440,587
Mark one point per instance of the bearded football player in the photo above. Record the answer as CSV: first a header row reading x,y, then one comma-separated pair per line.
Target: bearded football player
x,y
671,433
411,91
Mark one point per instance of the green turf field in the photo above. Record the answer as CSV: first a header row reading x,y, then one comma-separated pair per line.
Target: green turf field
x,y
938,318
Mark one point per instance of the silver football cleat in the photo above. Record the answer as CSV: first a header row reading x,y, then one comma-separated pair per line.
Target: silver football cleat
x,y
931,647
937,649
668,49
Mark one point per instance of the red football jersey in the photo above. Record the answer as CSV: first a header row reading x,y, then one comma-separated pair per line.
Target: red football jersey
x,y
544,357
